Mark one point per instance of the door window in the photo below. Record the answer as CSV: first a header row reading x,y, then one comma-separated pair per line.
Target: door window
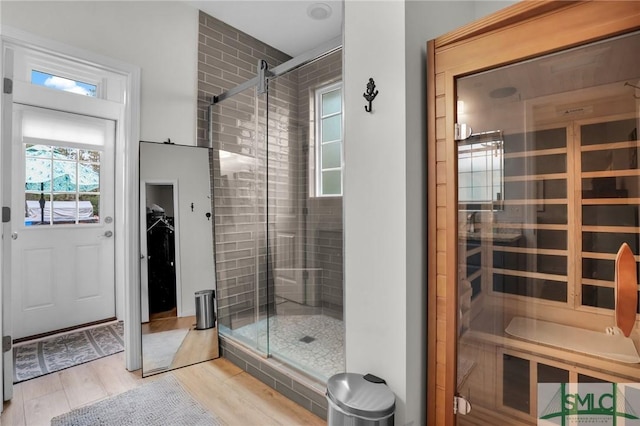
x,y
62,185
63,159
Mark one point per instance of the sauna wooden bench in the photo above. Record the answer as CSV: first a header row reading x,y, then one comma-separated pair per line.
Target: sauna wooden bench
x,y
570,360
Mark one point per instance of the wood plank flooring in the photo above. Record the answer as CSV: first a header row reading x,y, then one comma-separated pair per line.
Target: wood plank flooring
x,y
197,346
234,396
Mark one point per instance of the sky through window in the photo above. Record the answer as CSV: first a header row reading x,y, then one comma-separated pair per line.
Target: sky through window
x,y
61,83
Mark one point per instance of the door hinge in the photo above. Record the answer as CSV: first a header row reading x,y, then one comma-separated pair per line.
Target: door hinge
x,y
461,405
7,86
6,214
6,343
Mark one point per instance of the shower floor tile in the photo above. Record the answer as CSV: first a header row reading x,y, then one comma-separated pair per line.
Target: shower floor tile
x,y
312,343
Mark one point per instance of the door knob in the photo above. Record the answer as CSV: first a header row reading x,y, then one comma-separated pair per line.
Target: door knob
x,y
108,234
14,235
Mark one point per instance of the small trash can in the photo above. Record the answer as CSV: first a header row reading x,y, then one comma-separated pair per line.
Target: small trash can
x,y
358,400
205,315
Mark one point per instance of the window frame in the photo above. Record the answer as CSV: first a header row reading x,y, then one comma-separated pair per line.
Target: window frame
x,y
108,83
318,117
50,193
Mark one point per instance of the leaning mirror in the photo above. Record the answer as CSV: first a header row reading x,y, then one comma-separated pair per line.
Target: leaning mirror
x,y
177,266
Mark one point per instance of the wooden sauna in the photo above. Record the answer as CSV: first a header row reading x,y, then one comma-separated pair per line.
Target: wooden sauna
x,y
533,187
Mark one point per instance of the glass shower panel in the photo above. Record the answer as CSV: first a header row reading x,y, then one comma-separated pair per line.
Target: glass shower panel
x,y
305,268
545,204
239,192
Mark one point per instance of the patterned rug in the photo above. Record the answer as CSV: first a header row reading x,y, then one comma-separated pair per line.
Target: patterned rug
x,y
161,402
34,359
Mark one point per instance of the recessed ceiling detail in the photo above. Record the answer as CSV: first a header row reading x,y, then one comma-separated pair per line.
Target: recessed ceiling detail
x,y
319,11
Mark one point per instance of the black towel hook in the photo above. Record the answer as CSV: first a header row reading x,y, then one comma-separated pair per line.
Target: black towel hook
x,y
370,94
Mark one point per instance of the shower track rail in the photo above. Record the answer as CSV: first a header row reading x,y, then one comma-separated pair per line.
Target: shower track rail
x,y
302,59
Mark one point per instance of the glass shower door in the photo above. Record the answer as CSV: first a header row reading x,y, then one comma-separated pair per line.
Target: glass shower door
x,y
238,127
278,241
304,252
548,194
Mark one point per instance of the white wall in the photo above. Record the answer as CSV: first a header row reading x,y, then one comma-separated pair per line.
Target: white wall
x,y
161,37
385,189
375,195
189,166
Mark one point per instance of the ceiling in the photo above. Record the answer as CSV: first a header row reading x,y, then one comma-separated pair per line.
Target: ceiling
x,y
282,24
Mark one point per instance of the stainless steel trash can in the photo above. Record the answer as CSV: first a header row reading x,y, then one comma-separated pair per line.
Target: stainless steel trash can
x,y
205,312
357,400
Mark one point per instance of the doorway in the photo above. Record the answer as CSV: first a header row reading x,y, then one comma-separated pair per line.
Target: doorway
x,y
117,106
63,250
159,280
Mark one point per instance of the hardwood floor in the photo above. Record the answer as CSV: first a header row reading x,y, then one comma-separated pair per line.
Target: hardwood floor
x,y
197,346
234,396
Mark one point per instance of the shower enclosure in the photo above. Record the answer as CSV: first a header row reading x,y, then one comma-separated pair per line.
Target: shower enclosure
x,y
277,194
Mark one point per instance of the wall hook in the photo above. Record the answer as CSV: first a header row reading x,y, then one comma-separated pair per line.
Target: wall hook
x,y
370,94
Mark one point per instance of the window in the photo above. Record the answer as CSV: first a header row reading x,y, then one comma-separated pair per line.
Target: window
x,y
480,169
67,178
61,83
63,158
328,174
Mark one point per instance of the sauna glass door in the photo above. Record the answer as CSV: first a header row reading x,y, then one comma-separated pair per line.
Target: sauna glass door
x,y
545,204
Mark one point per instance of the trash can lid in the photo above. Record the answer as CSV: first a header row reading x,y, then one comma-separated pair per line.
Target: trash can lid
x,y
199,292
356,395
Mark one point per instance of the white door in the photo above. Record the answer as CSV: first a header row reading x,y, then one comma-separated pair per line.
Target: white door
x,y
63,209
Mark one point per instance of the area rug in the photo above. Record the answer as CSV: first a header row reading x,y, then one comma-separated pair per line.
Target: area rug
x,y
159,349
34,359
161,402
